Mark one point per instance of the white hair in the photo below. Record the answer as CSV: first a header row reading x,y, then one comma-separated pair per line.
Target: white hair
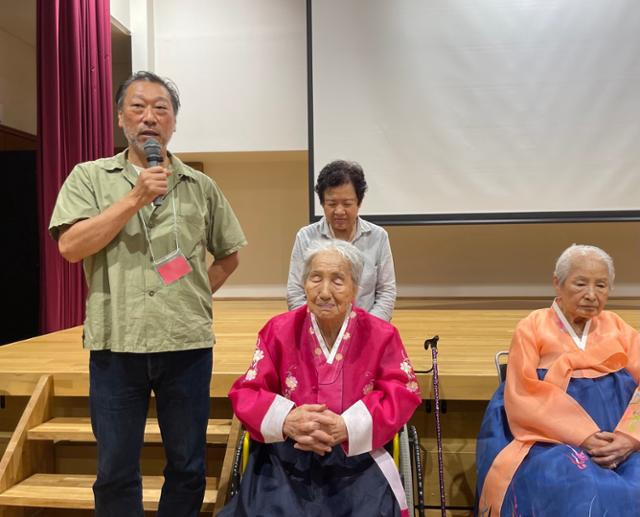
x,y
348,251
565,261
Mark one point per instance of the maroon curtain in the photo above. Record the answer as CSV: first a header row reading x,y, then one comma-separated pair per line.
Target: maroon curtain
x,y
74,125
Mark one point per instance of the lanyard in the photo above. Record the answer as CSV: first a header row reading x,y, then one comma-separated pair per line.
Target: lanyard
x,y
330,355
581,343
175,226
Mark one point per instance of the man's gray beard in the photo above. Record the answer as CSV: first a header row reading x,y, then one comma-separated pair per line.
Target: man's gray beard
x,y
134,145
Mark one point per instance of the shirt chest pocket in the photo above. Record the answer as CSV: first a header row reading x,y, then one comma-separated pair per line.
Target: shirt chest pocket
x,y
369,277
192,234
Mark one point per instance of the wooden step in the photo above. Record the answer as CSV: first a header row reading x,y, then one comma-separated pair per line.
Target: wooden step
x,y
75,491
78,429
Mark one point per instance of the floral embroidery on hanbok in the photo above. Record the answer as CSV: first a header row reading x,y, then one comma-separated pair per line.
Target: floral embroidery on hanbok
x,y
412,382
514,507
252,372
290,382
413,386
578,458
368,387
405,366
257,356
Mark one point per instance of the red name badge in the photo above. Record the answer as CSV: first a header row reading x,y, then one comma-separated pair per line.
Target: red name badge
x,y
173,267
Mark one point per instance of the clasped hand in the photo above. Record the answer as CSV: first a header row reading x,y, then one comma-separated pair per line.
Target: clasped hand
x,y
610,449
315,428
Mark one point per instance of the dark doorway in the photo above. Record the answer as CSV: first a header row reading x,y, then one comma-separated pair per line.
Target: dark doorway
x,y
19,255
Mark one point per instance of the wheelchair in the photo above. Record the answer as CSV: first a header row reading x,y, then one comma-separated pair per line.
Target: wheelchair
x,y
501,365
405,449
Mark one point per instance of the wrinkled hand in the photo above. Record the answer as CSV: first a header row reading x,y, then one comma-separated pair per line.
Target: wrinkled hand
x,y
593,442
315,428
301,423
334,425
332,431
152,182
617,448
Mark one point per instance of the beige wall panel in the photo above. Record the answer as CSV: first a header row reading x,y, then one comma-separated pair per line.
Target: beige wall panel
x,y
268,191
17,83
504,260
268,194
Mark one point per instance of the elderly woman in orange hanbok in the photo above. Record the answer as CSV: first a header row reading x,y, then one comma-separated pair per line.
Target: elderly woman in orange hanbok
x,y
560,436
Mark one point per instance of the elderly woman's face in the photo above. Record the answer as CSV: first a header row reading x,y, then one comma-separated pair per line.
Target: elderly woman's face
x,y
329,287
584,293
341,209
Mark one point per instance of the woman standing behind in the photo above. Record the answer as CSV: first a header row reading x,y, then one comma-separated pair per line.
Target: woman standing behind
x,y
341,186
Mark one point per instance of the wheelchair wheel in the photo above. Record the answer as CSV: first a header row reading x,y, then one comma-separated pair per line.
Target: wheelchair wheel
x,y
237,468
414,445
406,471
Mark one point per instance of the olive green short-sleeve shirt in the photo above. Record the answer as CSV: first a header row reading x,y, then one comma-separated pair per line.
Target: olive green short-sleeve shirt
x,y
129,309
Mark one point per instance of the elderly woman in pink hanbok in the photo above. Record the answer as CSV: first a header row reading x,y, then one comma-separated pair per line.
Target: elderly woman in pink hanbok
x,y
328,386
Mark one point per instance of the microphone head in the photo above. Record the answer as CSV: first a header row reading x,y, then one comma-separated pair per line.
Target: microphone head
x,y
153,152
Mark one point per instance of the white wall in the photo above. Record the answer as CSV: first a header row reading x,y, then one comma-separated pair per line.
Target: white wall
x,y
119,10
142,35
240,67
242,75
18,93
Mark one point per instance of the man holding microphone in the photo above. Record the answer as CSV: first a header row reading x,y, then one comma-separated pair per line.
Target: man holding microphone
x,y
141,222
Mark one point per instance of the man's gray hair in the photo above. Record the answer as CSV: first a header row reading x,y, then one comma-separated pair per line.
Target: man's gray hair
x,y
565,261
348,251
143,75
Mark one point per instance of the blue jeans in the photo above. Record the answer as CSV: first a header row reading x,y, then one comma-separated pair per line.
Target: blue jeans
x,y
120,387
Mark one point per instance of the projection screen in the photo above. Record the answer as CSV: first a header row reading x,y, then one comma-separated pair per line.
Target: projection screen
x,y
463,111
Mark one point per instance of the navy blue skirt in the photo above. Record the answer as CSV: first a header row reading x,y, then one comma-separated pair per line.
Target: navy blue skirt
x,y
282,481
557,479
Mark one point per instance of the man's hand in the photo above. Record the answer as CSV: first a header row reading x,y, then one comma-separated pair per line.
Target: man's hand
x,y
88,236
152,182
616,448
221,269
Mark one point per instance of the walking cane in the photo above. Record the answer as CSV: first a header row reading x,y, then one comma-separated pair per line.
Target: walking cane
x,y
433,343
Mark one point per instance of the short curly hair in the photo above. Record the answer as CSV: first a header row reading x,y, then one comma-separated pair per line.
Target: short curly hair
x,y
341,172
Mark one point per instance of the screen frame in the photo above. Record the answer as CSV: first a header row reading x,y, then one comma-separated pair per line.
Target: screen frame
x,y
443,218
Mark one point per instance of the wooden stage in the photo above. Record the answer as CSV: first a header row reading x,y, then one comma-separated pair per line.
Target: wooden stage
x,y
471,332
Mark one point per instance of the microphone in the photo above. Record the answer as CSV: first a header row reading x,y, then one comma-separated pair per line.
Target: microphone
x,y
153,153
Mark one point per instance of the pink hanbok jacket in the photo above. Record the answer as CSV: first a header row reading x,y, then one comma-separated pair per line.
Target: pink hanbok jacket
x,y
369,380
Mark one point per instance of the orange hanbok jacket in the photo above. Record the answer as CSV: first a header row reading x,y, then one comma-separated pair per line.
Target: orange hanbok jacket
x,y
541,410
